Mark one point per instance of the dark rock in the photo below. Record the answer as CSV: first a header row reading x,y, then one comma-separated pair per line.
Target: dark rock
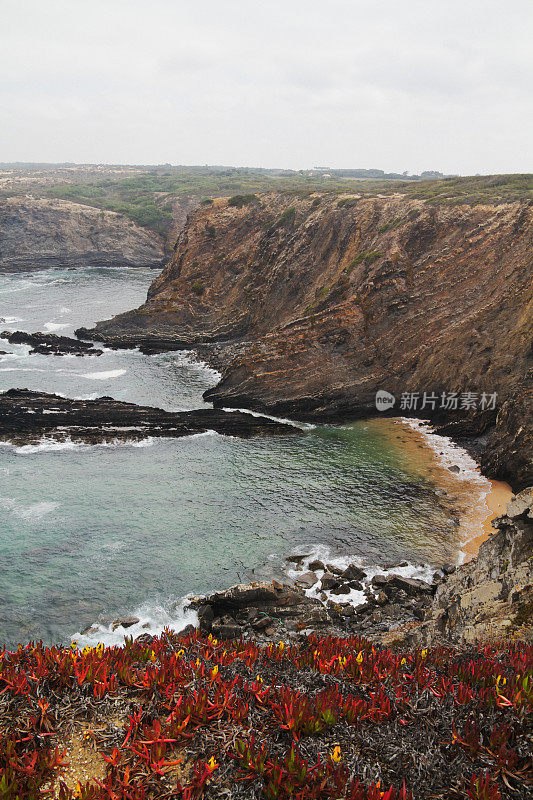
x,y
316,564
328,581
382,598
296,559
454,468
226,630
51,344
333,570
23,420
307,580
342,589
353,573
379,581
124,622
261,623
144,638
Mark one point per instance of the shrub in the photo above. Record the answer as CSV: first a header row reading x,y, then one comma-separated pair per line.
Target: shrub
x,y
287,218
198,288
240,200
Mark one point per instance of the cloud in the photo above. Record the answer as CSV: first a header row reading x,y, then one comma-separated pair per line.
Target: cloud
x,y
400,86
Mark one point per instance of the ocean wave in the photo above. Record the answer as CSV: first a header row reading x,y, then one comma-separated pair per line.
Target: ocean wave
x,y
153,618
304,426
31,513
102,376
56,326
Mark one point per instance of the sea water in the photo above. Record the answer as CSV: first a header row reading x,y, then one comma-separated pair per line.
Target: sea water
x,y
88,533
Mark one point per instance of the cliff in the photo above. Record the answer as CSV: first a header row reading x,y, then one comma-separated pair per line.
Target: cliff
x,y
310,305
38,233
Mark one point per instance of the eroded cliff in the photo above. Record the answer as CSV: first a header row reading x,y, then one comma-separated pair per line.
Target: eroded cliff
x,y
311,305
38,233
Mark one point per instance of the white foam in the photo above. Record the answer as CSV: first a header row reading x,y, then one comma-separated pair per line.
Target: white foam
x,y
449,453
322,552
31,513
102,376
10,320
56,326
304,426
153,618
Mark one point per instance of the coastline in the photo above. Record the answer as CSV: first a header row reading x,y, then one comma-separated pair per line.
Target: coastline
x,y
472,498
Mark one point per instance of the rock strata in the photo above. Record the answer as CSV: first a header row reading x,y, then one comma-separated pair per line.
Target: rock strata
x,y
26,417
51,344
308,309
39,233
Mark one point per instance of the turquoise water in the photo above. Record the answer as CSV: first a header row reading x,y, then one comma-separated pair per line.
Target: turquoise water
x,y
88,533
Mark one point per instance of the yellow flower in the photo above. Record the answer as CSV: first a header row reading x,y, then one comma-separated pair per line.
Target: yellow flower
x,y
152,656
423,654
77,791
359,657
197,663
74,644
336,754
215,641
214,671
100,648
403,661
281,647
259,679
180,653
212,764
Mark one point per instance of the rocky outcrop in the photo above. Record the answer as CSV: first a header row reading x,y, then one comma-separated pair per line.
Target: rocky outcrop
x,y
26,417
260,609
491,597
39,233
311,305
51,344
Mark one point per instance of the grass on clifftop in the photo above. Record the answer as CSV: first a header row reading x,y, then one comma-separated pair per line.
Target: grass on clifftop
x,y
145,194
189,717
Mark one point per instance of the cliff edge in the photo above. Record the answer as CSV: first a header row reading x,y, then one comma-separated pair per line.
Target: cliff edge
x,y
38,233
310,305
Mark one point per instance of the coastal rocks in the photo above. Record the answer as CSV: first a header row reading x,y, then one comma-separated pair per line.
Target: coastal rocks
x,y
41,233
260,609
392,293
491,596
26,417
124,622
51,344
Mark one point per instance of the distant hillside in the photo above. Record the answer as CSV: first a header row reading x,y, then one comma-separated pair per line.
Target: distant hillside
x,y
158,197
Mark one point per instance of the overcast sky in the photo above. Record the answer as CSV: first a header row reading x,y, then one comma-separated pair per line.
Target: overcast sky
x,y
394,84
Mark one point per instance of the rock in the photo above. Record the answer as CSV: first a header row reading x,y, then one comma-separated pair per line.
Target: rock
x,y
348,611
39,233
296,559
307,580
353,573
328,581
124,622
226,630
448,569
411,586
317,564
333,569
518,505
26,417
454,468
273,602
379,581
51,344
382,598
344,588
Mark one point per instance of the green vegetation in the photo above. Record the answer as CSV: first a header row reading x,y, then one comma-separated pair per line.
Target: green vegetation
x,y
389,226
146,194
287,218
347,202
240,200
368,256
198,288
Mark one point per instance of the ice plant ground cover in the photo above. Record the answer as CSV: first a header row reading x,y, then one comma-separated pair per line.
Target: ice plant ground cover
x,y
190,717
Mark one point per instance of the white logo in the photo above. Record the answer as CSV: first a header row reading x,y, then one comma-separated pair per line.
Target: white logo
x,y
384,400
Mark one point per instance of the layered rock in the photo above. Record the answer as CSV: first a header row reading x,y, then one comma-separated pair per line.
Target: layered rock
x,y
26,417
39,233
51,344
311,305
489,598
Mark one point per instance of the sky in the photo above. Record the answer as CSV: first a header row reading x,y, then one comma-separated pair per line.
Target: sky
x,y
392,84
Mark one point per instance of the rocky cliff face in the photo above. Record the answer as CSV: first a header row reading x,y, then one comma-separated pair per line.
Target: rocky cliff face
x,y
37,233
312,305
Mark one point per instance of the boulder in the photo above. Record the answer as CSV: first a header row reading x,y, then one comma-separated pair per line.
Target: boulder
x,y
353,573
328,581
124,622
307,580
